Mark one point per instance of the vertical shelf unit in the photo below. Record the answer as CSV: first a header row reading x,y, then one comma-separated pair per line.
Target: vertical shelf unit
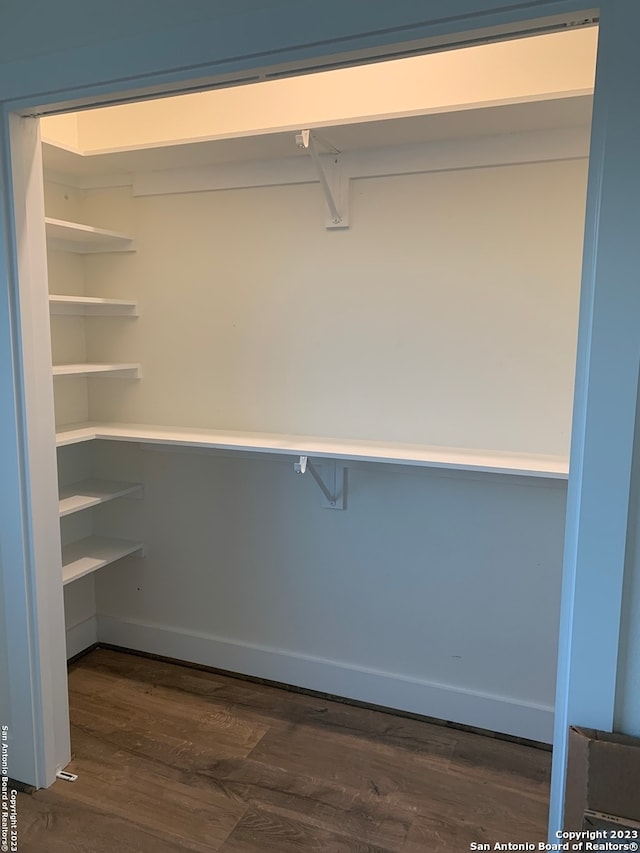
x,y
90,553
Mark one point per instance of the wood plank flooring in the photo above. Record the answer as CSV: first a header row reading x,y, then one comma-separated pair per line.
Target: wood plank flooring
x,y
175,759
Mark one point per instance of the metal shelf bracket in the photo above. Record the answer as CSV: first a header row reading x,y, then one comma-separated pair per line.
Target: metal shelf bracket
x,y
334,184
333,484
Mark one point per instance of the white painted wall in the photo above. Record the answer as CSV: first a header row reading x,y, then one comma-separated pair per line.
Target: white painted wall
x,y
386,602
445,315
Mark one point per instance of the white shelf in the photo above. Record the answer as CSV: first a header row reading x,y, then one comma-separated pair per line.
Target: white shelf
x,y
452,458
88,555
88,493
91,306
124,371
75,434
85,239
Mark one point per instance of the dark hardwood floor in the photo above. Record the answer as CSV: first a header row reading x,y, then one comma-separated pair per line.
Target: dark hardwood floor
x,y
171,758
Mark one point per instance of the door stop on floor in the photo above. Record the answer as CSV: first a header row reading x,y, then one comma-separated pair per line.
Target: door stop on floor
x,y
66,776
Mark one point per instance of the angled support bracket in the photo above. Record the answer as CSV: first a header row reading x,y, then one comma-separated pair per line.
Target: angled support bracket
x,y
333,484
334,185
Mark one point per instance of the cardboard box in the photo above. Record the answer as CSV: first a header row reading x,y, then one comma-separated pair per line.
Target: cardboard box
x,y
603,777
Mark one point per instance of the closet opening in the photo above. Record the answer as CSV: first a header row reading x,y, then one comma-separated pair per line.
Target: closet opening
x,y
376,269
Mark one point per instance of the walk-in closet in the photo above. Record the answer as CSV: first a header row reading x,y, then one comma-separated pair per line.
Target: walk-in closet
x,y
313,350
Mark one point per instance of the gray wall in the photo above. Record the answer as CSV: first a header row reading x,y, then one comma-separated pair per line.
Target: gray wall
x,y
46,48
436,592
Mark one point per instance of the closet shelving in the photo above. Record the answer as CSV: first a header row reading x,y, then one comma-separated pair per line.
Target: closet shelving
x,y
92,492
442,457
91,306
130,371
85,239
462,459
66,235
266,338
90,553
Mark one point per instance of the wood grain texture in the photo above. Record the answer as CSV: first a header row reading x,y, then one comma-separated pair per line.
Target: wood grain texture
x,y
174,758
54,824
321,805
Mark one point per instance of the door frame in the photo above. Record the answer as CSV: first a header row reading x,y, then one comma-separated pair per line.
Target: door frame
x,y
600,484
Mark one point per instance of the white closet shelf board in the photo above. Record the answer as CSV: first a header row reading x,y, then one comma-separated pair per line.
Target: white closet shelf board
x,y
87,493
91,305
90,554
85,239
125,371
489,461
563,112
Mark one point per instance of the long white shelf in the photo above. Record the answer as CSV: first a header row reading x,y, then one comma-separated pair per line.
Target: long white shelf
x,y
124,371
85,239
90,554
87,493
523,464
91,306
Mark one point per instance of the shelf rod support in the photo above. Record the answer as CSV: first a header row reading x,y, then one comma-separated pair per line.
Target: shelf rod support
x,y
335,495
331,185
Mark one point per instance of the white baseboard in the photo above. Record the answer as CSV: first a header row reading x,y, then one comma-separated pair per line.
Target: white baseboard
x,y
82,636
447,702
